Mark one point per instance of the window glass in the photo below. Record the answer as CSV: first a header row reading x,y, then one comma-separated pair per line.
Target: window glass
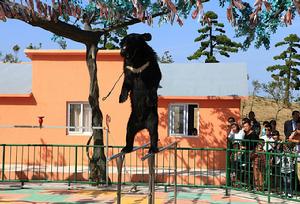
x,y
75,112
183,119
87,118
80,118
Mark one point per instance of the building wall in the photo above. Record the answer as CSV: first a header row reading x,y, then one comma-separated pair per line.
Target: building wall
x,y
62,76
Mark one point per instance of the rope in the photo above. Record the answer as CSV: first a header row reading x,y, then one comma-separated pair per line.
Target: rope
x,y
104,98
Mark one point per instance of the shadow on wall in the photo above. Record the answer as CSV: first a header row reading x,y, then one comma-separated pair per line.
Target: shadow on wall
x,y
30,101
211,136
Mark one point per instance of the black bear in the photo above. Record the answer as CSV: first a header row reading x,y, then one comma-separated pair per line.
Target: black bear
x,y
141,81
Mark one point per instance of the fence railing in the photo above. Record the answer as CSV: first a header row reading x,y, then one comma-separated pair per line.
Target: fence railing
x,y
273,173
69,164
268,168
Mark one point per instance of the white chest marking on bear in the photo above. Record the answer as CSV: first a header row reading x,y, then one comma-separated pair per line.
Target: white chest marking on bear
x,y
138,70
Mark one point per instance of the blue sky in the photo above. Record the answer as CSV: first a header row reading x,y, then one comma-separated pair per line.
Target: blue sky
x,y
178,40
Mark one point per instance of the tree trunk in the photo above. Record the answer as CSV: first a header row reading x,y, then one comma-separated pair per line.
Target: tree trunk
x,y
211,43
288,85
277,112
98,162
252,100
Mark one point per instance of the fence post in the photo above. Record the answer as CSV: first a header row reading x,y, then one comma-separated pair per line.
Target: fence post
x,y
268,175
175,173
227,169
76,158
107,167
3,161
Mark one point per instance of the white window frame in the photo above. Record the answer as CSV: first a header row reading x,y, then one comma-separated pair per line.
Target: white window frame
x,y
81,132
185,120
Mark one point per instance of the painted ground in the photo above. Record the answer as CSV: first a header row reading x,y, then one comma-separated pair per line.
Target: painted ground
x,y
58,194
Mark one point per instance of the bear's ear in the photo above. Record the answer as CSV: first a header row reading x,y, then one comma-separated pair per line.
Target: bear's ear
x,y
147,36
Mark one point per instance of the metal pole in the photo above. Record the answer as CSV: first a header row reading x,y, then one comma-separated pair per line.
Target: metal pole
x,y
107,167
268,176
227,169
3,161
119,167
151,163
48,126
151,179
175,174
76,157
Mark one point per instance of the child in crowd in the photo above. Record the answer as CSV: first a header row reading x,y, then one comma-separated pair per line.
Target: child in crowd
x,y
275,162
263,130
236,161
258,159
288,169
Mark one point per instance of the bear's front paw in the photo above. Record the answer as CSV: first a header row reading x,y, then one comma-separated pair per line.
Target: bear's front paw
x,y
123,97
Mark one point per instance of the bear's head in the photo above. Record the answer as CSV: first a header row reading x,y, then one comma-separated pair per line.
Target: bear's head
x,y
133,44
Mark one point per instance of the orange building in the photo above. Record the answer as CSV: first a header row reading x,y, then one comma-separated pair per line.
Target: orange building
x,y
194,101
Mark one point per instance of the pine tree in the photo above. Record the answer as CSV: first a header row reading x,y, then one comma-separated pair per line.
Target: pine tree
x,y
289,71
166,58
10,58
213,39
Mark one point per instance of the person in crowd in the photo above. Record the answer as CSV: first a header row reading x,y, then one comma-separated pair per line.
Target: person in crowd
x,y
248,144
250,137
275,164
258,158
263,130
273,124
295,138
290,125
236,161
230,121
268,138
255,124
288,169
244,120
236,133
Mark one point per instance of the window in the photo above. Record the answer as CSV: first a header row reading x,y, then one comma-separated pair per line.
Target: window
x,y
79,118
183,119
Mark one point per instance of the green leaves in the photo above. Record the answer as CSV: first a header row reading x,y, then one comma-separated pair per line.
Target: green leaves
x,y
210,14
292,38
201,37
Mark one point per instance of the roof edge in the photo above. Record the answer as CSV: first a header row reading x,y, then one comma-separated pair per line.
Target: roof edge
x,y
16,95
203,97
32,53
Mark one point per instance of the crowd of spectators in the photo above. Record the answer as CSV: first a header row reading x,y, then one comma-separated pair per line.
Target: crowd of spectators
x,y
255,146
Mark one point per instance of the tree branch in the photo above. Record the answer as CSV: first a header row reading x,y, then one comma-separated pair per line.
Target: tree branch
x,y
25,14
132,21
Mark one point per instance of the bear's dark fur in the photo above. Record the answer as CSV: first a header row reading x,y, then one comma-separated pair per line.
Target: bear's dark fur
x,y
141,80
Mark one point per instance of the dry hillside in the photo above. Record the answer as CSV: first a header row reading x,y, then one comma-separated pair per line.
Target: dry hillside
x,y
265,109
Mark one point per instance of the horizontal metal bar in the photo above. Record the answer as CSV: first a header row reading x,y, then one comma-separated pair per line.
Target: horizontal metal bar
x,y
49,127
159,150
123,153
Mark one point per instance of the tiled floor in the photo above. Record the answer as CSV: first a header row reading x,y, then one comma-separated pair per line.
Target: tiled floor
x,y
86,194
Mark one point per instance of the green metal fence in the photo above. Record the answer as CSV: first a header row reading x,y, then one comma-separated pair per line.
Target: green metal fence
x,y
196,167
271,172
229,168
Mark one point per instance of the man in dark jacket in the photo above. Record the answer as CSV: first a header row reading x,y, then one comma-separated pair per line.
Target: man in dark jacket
x,y
254,123
249,144
290,125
